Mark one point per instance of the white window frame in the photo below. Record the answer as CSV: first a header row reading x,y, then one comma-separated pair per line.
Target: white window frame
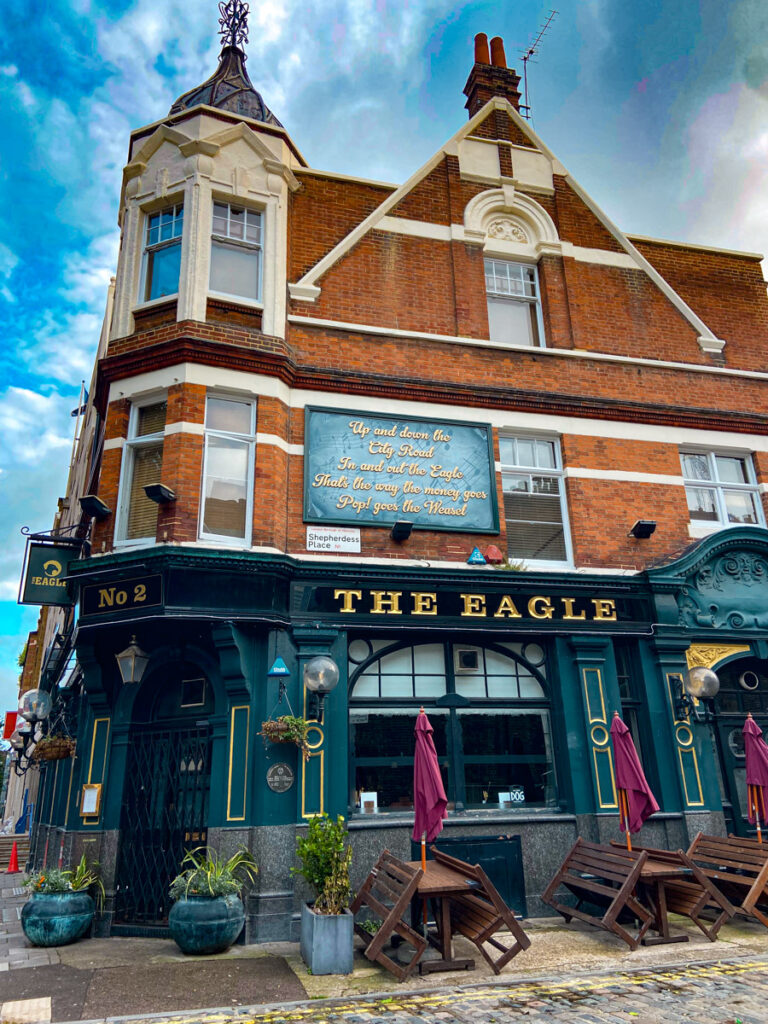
x,y
718,487
218,538
155,247
530,300
131,443
558,473
239,243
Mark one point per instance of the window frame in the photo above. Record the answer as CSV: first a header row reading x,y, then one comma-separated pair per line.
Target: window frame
x,y
451,705
529,300
166,243
242,244
250,439
719,487
558,473
130,444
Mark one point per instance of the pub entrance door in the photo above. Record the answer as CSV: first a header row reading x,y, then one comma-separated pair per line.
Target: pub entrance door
x,y
165,808
743,689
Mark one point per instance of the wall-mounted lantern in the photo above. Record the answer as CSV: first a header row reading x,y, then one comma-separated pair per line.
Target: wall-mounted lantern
x,y
321,675
132,662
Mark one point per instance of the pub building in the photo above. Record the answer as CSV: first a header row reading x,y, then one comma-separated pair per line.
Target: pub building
x,y
462,436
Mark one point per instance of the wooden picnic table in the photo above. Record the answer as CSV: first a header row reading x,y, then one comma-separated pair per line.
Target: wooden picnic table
x,y
438,883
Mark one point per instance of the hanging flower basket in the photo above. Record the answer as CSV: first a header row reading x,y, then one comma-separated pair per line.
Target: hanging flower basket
x,y
54,748
287,729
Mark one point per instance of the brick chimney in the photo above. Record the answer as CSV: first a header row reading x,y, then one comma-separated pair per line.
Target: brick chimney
x,y
490,76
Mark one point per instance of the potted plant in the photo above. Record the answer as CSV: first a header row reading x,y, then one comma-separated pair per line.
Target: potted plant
x,y
53,748
287,729
326,926
208,914
60,909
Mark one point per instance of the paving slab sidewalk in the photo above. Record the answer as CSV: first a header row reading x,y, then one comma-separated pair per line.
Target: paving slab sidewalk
x,y
117,977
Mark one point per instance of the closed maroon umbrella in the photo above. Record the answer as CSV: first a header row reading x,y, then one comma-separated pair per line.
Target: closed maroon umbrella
x,y
636,801
429,799
756,752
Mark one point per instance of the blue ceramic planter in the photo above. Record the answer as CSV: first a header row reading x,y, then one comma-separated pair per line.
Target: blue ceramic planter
x,y
57,918
201,925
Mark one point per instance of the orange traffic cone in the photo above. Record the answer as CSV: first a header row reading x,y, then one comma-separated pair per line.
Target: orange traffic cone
x,y
13,864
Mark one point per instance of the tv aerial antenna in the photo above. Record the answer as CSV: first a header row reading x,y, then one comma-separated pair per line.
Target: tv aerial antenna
x,y
527,55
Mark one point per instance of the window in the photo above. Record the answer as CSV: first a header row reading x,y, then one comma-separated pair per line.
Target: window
x,y
721,489
491,728
236,251
534,501
513,303
142,465
227,503
162,253
634,708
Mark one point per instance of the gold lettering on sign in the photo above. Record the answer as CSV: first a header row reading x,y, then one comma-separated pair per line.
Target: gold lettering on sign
x,y
540,607
386,602
569,613
346,597
474,605
507,609
424,604
605,608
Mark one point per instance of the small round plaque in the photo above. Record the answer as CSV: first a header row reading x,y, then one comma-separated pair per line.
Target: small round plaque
x,y
280,777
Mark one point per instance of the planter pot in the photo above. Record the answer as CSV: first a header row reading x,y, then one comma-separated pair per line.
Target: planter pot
x,y
327,941
201,925
57,918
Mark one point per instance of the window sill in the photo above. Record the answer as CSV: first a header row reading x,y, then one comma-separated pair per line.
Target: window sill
x,y
151,303
237,300
699,530
497,816
226,542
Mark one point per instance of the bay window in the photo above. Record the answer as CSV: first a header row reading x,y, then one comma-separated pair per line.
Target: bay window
x,y
720,488
161,262
142,465
236,251
227,491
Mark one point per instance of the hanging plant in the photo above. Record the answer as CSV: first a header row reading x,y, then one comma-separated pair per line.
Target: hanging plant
x,y
287,729
53,748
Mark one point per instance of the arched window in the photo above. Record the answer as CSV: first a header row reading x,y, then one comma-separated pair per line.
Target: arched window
x,y
490,713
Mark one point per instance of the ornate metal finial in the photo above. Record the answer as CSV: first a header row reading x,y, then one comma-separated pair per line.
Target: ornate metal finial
x,y
234,23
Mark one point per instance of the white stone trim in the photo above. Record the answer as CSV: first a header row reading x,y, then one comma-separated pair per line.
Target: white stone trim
x,y
262,386
416,228
281,443
336,176
698,247
112,443
184,427
625,475
567,353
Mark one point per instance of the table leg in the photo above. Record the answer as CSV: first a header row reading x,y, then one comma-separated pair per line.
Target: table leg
x,y
443,942
659,907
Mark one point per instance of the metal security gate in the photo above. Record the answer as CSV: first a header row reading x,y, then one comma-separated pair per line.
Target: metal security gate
x,y
165,813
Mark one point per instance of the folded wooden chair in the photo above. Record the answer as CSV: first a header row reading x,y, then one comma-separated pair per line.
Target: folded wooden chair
x,y
739,869
387,893
480,914
604,877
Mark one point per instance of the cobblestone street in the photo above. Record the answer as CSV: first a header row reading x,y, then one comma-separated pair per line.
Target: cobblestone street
x,y
733,992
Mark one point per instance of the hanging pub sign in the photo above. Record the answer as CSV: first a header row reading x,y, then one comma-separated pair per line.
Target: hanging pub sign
x,y
377,470
45,570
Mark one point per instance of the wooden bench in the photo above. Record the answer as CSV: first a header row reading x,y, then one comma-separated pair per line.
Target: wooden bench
x,y
480,914
604,877
691,897
387,893
739,869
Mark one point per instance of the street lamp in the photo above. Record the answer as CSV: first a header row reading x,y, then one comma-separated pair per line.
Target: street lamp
x,y
35,705
132,662
702,684
321,674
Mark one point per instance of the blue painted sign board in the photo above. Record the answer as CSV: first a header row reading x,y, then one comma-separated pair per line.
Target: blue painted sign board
x,y
376,470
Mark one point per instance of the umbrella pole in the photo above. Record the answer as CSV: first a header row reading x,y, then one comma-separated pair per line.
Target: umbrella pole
x,y
424,868
755,804
624,813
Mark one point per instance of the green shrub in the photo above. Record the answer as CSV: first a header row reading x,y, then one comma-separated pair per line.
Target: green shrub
x,y
209,874
325,856
79,879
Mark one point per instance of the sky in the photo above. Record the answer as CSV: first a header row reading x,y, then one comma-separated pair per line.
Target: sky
x,y
659,109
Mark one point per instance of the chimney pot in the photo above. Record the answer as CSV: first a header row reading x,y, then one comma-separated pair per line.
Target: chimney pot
x,y
498,57
482,56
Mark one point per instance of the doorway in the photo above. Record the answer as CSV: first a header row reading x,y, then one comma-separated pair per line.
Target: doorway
x,y
165,796
743,689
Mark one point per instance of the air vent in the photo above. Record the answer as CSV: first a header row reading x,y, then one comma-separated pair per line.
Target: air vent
x,y
466,659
